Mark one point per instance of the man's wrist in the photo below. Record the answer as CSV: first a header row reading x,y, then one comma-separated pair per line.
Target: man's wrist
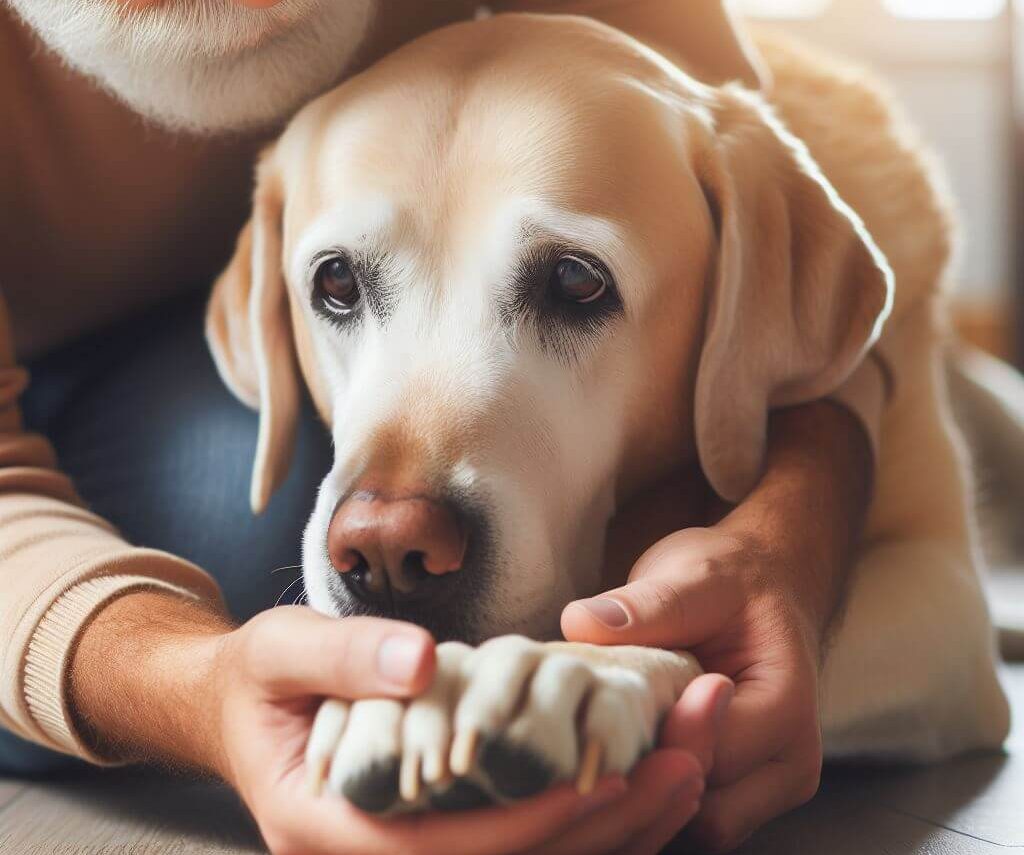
x,y
143,682
806,515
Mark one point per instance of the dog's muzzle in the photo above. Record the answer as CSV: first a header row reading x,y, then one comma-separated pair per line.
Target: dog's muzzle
x,y
416,557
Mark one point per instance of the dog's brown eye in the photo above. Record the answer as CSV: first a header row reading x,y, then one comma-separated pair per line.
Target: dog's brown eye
x,y
575,280
337,284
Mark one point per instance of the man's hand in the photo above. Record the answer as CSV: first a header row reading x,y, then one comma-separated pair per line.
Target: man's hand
x,y
273,673
752,598
666,786
276,669
155,677
696,590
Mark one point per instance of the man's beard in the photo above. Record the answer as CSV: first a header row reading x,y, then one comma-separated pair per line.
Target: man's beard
x,y
205,65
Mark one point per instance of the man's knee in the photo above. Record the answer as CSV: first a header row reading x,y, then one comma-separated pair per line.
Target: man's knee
x,y
156,444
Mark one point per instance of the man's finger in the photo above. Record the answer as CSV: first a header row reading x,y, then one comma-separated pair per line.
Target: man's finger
x,y
730,815
661,780
662,832
695,722
294,650
768,713
331,825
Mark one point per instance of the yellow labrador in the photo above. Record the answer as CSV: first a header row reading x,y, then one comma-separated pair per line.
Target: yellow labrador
x,y
525,266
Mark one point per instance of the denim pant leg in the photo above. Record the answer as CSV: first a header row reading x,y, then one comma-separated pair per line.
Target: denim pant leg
x,y
156,444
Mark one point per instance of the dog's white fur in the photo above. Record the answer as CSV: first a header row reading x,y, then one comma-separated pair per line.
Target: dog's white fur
x,y
748,282
205,65
561,701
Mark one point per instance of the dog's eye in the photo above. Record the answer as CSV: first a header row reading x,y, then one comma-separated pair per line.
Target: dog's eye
x,y
336,284
577,281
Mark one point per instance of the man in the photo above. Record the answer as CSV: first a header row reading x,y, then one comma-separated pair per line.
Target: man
x,y
126,172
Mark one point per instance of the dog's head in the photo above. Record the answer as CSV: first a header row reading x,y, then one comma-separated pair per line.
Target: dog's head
x,y
526,266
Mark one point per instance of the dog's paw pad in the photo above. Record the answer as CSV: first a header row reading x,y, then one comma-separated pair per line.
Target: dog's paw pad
x,y
374,789
461,794
515,771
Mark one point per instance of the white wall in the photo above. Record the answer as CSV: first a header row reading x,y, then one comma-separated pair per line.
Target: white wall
x,y
951,76
963,113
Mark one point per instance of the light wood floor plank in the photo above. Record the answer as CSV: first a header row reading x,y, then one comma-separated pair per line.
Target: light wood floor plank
x,y
8,791
118,814
971,806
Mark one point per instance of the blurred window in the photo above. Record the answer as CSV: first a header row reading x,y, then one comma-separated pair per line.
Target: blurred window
x,y
949,62
946,9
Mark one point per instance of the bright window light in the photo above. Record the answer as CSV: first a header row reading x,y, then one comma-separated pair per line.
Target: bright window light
x,y
783,8
946,9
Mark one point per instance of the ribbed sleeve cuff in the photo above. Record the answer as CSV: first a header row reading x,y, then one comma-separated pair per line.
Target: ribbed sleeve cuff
x,y
51,647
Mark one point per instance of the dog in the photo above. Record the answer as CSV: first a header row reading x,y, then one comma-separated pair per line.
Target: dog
x,y
527,265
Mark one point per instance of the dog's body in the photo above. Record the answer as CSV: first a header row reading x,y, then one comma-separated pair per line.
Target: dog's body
x,y
730,278
916,585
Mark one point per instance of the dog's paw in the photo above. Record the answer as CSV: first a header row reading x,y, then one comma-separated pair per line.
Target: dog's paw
x,y
500,722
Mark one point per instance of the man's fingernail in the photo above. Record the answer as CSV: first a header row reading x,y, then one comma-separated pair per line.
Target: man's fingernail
x,y
606,792
399,658
608,612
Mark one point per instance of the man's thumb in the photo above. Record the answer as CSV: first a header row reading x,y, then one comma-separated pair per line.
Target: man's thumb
x,y
295,650
652,611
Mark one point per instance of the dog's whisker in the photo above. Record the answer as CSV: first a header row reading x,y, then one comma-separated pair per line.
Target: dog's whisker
x,y
301,596
286,567
284,593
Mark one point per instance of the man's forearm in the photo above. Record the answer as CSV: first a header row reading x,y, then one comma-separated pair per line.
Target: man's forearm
x,y
143,681
808,510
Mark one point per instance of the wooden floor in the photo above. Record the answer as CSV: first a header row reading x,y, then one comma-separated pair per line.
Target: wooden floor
x,y
974,806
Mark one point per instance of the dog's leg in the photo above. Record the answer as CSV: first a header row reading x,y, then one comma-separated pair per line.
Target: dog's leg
x,y
910,672
499,723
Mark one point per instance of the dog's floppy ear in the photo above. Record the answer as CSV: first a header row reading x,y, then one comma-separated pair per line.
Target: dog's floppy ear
x,y
800,291
249,332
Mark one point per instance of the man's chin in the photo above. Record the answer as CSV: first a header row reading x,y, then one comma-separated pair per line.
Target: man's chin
x,y
181,79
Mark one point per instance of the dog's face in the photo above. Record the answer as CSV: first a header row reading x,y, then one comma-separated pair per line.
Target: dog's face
x,y
519,266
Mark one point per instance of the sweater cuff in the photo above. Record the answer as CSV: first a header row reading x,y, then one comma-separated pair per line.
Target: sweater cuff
x,y
51,647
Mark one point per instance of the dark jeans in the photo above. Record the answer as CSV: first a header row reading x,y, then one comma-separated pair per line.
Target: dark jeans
x,y
156,444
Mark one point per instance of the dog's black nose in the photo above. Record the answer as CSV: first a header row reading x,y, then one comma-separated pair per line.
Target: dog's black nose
x,y
391,547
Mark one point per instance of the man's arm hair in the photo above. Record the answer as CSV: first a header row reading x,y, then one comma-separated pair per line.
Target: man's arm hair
x,y
143,681
809,508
